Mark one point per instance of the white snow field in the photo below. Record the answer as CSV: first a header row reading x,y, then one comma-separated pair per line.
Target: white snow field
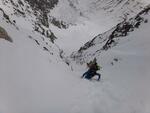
x,y
33,80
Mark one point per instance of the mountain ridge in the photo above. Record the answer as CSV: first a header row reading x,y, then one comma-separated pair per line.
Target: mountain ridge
x,y
111,38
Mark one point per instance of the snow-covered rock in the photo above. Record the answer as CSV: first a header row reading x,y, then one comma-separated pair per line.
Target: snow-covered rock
x,y
107,40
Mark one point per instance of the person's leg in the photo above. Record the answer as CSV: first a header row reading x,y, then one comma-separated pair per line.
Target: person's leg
x,y
85,74
88,75
99,76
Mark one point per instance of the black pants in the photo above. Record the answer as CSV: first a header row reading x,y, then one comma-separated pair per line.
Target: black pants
x,y
90,74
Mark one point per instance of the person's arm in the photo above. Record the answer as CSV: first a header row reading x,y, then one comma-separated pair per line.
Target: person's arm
x,y
83,74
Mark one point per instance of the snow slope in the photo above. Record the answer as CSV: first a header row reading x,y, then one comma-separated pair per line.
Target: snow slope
x,y
31,83
125,66
34,79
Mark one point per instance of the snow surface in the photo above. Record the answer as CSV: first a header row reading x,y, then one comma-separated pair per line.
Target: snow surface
x,y
34,81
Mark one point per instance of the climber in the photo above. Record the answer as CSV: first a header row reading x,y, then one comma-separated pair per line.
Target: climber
x,y
93,67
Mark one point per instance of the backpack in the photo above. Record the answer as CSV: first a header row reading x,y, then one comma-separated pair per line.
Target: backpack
x,y
98,67
93,64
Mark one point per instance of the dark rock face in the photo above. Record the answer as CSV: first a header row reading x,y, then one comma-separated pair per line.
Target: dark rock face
x,y
42,5
59,24
5,16
40,9
125,27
